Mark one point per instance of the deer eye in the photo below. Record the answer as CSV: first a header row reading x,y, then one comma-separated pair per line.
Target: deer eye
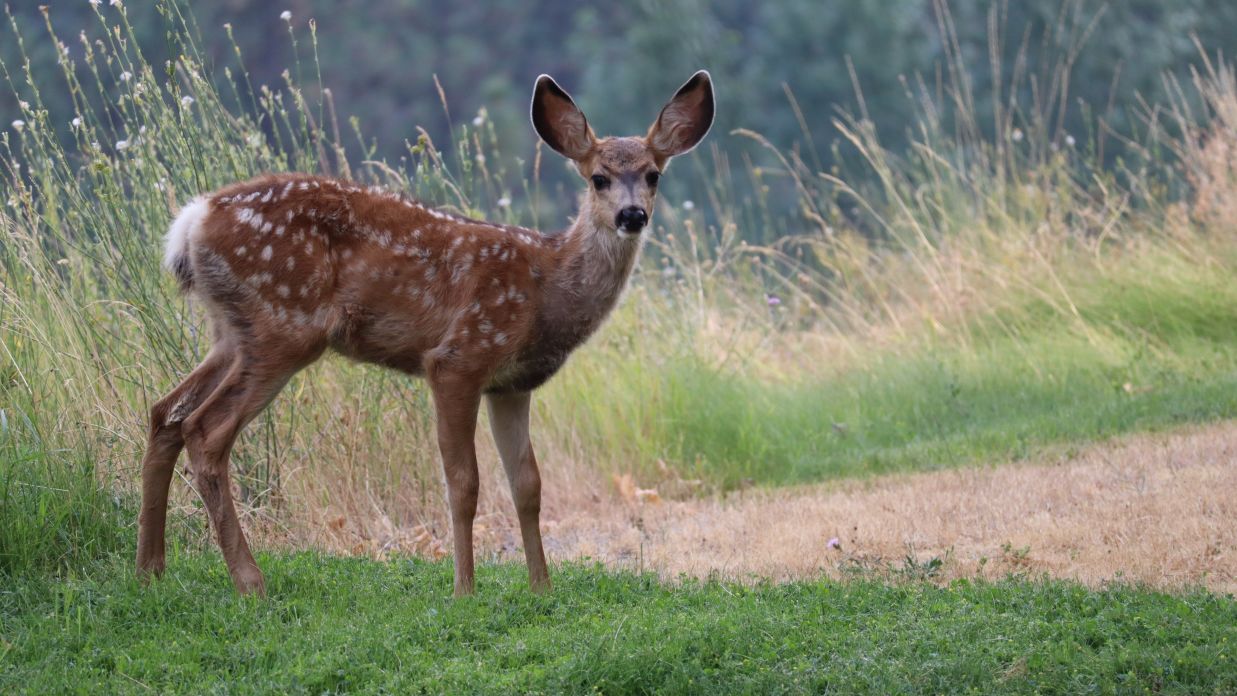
x,y
652,178
600,182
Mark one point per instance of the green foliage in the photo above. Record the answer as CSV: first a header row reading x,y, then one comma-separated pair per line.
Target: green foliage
x,y
336,625
56,513
1156,350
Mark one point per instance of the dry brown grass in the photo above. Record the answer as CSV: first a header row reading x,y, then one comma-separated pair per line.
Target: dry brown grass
x,y
1153,509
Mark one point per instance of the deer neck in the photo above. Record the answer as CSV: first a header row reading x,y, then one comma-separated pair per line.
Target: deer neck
x,y
591,270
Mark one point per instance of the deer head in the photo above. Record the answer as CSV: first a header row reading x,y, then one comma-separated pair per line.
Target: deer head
x,y
622,172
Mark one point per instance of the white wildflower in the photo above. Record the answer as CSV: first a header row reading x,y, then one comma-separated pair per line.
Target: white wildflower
x,y
96,3
77,122
1017,135
1069,140
504,202
688,205
116,3
286,16
186,100
18,125
122,145
477,121
126,76
25,105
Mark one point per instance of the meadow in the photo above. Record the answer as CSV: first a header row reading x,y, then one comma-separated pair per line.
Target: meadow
x,y
991,291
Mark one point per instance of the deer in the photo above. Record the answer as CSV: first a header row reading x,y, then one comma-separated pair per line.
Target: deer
x,y
287,267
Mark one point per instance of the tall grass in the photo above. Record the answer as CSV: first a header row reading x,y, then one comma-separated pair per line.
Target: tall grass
x,y
978,296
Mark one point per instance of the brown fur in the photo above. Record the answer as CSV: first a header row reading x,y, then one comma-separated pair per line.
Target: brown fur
x,y
290,265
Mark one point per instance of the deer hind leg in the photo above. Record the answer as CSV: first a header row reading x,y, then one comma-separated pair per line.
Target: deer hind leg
x,y
456,400
209,434
163,446
509,424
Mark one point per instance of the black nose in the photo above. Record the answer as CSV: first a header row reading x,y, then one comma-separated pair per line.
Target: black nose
x,y
632,219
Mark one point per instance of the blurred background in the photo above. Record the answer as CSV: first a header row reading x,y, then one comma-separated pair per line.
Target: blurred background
x,y
783,69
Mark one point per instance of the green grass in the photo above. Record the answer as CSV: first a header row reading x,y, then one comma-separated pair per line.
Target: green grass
x,y
333,625
54,513
1153,346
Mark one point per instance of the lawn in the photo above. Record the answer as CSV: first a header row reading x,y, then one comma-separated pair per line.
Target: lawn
x,y
346,624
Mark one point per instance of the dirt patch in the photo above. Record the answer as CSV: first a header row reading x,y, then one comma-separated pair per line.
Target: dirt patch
x,y
1153,509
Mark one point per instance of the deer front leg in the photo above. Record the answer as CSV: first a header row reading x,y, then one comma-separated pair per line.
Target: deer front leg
x,y
509,424
456,401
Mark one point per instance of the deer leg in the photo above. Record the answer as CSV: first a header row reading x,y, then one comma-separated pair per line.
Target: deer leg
x,y
209,435
163,446
509,424
456,401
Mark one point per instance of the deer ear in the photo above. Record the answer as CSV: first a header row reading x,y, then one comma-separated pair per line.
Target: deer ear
x,y
685,119
559,122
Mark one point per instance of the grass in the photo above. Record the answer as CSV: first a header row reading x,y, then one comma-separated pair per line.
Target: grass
x,y
992,298
974,298
1152,347
333,625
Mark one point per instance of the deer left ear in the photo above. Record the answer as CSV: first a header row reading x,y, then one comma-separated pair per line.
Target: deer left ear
x,y
685,119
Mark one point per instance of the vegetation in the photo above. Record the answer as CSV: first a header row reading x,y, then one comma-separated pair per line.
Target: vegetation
x,y
969,297
349,625
990,281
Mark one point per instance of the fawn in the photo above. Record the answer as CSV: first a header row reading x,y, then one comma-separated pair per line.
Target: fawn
x,y
289,265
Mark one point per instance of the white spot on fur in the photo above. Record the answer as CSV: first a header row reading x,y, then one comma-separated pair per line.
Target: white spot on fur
x,y
259,279
244,215
242,250
283,291
267,252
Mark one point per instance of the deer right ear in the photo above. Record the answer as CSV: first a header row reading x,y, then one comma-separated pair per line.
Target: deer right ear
x,y
559,122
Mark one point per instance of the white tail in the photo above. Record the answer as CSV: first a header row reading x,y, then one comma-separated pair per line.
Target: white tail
x,y
176,245
289,266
